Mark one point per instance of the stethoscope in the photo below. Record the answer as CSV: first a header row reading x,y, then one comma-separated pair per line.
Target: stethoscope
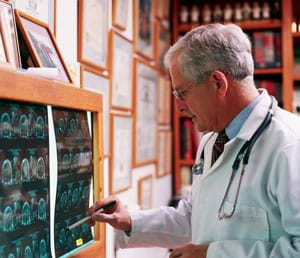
x,y
243,155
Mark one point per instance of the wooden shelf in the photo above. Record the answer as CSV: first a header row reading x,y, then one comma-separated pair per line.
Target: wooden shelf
x,y
266,71
296,34
246,25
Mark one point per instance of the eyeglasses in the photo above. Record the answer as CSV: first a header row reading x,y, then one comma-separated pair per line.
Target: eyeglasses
x,y
180,93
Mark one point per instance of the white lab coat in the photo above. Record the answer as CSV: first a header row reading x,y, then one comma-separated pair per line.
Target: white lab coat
x,y
266,222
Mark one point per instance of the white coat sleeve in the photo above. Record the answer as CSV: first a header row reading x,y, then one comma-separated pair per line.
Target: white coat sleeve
x,y
283,188
162,227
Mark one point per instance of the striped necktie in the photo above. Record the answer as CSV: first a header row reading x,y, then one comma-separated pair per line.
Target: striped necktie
x,y
218,147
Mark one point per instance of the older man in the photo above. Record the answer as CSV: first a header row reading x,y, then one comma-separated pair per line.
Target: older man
x,y
245,198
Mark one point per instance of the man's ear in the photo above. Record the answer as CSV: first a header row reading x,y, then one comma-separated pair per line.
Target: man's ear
x,y
220,81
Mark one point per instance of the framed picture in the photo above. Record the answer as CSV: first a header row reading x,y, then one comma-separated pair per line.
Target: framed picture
x,y
161,99
93,80
9,39
167,101
169,152
144,28
166,10
43,10
121,144
121,72
145,188
42,45
164,150
3,57
145,119
160,5
119,13
93,33
162,44
164,100
161,148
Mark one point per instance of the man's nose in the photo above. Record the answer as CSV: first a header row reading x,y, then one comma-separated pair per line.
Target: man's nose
x,y
181,106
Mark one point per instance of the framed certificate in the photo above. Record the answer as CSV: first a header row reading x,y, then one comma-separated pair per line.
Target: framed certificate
x,y
119,13
145,189
95,81
145,120
42,45
93,33
9,47
144,28
43,10
121,72
121,161
161,148
164,150
162,44
168,152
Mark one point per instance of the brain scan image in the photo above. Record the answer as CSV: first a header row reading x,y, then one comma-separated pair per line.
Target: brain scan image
x,y
42,209
39,127
28,253
41,168
75,196
33,164
24,126
63,200
8,219
43,249
5,126
26,214
25,170
7,172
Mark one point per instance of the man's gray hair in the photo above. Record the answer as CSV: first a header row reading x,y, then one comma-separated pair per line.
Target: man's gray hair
x,y
213,47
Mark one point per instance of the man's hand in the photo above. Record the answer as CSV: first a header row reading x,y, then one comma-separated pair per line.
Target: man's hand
x,y
190,251
117,216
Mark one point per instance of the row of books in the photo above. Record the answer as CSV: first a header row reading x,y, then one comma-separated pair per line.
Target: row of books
x,y
266,49
272,86
189,139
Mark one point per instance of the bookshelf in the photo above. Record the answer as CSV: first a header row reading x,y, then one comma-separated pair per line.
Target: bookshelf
x,y
282,73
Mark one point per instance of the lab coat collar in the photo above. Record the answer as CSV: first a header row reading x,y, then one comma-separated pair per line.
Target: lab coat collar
x,y
256,117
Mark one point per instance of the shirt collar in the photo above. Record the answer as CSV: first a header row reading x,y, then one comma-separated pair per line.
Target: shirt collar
x,y
236,124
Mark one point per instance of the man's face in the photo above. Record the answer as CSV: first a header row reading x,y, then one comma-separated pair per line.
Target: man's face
x,y
197,100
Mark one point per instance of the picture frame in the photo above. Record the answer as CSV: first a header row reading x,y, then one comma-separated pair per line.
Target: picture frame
x,y
162,44
161,159
145,117
43,10
164,100
95,81
144,28
166,10
169,152
42,45
121,149
9,34
164,150
93,38
3,57
160,5
119,13
145,192
122,67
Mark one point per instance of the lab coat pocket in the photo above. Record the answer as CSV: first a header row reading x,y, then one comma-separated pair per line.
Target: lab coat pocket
x,y
247,223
